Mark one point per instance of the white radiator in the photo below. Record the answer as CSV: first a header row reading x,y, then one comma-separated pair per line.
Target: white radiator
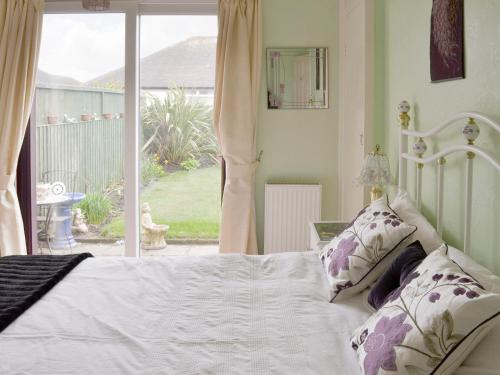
x,y
288,211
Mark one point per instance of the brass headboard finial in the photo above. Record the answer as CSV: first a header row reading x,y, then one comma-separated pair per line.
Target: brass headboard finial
x,y
419,148
403,109
471,131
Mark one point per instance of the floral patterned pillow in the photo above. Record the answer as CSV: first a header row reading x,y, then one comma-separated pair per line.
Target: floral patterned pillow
x,y
360,254
429,324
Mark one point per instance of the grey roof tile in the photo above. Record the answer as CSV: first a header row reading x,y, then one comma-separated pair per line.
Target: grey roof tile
x,y
190,64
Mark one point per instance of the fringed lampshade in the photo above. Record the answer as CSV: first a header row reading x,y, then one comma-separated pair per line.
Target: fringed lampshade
x,y
375,173
95,4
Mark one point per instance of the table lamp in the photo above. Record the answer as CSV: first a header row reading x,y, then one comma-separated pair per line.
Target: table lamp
x,y
376,172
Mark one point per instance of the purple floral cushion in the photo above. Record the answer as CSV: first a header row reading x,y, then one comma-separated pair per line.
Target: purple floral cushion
x,y
430,324
396,274
356,258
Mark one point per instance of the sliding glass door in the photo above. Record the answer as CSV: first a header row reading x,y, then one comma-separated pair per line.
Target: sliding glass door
x,y
180,170
126,158
80,122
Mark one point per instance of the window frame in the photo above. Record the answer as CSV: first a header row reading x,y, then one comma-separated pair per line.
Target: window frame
x,y
133,10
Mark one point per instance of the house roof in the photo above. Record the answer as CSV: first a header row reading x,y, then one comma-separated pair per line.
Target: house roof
x,y
190,64
44,78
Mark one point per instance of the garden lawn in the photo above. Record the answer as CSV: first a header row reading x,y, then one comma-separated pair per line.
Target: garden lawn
x,y
188,201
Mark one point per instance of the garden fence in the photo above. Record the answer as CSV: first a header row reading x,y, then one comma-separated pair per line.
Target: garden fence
x,y
57,101
92,149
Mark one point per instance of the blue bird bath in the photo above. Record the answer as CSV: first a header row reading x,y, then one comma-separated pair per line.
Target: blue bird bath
x,y
63,238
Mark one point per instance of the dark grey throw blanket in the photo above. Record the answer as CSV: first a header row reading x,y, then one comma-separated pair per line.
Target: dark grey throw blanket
x,y
25,279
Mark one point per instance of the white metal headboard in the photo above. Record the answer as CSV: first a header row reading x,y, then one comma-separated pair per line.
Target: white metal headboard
x,y
471,132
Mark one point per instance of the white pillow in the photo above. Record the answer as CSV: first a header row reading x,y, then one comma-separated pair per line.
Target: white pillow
x,y
362,252
426,234
484,358
485,277
431,324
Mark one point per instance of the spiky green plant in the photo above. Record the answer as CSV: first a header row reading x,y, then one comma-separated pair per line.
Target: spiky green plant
x,y
96,207
176,129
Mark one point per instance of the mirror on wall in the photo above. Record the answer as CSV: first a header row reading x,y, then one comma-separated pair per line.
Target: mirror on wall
x,y
297,78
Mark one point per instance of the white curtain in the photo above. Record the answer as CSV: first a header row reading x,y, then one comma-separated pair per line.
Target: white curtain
x,y
238,65
20,31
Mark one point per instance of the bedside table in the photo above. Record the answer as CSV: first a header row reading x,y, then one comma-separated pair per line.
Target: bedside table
x,y
322,232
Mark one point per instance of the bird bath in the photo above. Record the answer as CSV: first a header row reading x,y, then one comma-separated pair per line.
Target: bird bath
x,y
63,238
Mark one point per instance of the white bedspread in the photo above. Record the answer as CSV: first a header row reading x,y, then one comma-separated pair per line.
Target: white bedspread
x,y
226,314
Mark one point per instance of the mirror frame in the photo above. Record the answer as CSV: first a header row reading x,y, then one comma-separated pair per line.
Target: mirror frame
x,y
326,78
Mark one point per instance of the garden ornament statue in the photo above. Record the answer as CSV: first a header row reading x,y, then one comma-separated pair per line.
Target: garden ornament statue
x,y
152,235
79,225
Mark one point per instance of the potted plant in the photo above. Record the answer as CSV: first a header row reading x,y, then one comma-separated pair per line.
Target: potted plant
x,y
85,117
51,119
107,116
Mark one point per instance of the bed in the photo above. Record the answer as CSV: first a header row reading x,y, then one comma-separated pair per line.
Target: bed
x,y
219,314
227,314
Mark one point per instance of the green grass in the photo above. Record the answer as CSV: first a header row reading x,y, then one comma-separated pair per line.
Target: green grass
x,y
188,201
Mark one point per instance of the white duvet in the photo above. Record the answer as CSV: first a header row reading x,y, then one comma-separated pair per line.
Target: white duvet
x,y
225,314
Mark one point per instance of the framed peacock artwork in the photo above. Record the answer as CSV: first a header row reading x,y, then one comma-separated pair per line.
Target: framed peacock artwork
x,y
447,40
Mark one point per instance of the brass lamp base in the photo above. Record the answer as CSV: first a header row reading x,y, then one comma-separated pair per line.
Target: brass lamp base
x,y
376,192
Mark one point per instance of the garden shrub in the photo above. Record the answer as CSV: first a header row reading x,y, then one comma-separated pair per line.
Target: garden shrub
x,y
190,164
177,129
96,208
151,170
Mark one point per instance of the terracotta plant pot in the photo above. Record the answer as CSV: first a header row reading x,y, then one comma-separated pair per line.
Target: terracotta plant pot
x,y
122,115
86,117
51,119
107,116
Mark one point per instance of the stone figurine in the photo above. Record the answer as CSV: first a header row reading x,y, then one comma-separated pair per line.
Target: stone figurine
x,y
79,225
152,235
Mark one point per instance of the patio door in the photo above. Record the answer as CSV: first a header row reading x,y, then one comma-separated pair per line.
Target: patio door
x,y
122,128
180,169
79,120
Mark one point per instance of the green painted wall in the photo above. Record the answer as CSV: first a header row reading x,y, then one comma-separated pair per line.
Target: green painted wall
x,y
402,72
299,145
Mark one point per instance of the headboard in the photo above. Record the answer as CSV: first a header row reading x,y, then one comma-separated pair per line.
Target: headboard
x,y
470,131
